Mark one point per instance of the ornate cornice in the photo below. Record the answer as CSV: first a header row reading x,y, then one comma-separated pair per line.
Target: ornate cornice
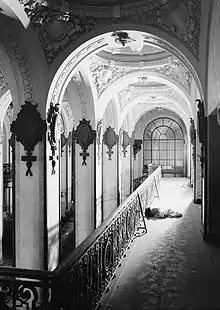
x,y
181,19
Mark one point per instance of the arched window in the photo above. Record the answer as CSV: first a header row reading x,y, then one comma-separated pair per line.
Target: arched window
x,y
164,145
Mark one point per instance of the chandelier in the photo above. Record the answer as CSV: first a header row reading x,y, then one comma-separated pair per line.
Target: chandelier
x,y
122,38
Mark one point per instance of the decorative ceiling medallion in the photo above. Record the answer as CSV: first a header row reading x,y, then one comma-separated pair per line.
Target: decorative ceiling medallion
x,y
125,142
84,136
29,129
136,147
54,127
110,139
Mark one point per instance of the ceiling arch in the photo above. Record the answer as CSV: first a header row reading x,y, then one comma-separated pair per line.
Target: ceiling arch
x,y
168,102
130,78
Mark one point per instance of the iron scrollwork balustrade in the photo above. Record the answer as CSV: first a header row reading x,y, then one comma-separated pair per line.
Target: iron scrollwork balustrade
x,y
25,289
81,279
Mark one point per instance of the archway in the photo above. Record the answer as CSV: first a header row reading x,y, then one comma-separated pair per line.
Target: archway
x,y
63,80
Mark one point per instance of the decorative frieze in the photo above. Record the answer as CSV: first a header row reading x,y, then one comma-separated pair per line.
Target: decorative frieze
x,y
126,95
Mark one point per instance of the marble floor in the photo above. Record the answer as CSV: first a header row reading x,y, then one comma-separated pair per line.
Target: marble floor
x,y
170,267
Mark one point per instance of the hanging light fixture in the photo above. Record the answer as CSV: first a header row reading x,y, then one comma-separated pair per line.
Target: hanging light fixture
x,y
122,38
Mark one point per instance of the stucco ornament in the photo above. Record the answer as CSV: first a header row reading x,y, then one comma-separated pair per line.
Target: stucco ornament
x,y
3,82
58,25
77,78
106,74
10,112
9,36
126,95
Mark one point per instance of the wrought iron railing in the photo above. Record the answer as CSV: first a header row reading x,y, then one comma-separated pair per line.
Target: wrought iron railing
x,y
80,280
25,289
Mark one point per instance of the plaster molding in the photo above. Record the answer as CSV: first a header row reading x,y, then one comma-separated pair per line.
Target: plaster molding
x,y
22,61
68,67
179,19
105,74
126,95
68,117
3,81
77,78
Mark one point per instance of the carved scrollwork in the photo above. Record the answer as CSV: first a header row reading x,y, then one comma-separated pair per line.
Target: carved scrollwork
x,y
54,126
93,265
47,19
21,296
110,139
181,19
108,257
29,129
84,136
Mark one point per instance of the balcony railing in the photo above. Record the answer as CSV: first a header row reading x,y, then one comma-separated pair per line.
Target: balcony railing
x,y
25,289
81,279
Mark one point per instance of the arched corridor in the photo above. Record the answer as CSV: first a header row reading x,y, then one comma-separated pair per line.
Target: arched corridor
x,y
103,107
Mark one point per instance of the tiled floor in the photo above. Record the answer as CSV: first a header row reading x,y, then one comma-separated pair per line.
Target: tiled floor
x,y
170,267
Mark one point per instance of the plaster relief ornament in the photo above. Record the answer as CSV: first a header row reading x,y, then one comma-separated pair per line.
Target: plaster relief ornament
x,y
105,74
10,112
126,95
58,25
55,24
3,82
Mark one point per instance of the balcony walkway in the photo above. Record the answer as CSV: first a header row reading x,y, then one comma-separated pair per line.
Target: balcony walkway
x,y
170,267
